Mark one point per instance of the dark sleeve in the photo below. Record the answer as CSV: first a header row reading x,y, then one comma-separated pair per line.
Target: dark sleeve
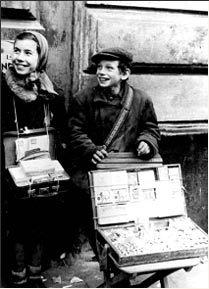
x,y
150,132
7,110
81,147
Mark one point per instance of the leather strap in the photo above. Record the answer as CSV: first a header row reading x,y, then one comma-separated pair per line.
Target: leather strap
x,y
121,119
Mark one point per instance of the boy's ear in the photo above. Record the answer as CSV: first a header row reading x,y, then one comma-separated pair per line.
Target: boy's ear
x,y
126,74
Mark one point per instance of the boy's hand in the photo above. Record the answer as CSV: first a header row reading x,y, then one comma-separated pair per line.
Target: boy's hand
x,y
143,149
98,156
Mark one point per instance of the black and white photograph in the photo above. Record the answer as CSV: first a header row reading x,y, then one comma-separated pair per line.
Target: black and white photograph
x,y
104,144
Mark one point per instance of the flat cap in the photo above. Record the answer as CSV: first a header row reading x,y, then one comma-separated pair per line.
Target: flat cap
x,y
113,53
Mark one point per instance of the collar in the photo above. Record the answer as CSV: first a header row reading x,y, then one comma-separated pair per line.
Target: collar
x,y
28,88
104,95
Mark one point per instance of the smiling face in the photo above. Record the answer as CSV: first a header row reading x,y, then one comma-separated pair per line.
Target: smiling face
x,y
25,56
110,75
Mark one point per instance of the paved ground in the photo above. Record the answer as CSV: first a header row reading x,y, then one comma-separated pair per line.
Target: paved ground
x,y
82,272
75,272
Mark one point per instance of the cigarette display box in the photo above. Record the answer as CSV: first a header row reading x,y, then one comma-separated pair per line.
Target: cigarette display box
x,y
32,169
141,214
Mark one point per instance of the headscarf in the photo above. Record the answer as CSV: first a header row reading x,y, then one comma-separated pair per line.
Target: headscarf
x,y
44,49
37,83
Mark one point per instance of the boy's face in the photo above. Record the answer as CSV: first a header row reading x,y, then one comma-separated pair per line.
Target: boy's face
x,y
109,75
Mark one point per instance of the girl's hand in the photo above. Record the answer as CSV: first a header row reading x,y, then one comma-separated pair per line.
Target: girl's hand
x,y
63,145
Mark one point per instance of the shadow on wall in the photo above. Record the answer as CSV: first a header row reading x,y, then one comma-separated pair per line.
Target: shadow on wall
x,y
192,153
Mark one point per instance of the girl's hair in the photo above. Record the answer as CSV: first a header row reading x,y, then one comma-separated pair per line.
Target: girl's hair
x,y
28,35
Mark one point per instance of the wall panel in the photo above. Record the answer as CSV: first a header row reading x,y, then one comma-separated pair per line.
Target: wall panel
x,y
172,5
169,42
152,37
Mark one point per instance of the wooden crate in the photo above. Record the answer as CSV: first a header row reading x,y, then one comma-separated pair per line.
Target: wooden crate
x,y
141,214
42,182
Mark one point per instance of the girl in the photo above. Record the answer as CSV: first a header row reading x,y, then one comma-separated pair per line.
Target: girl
x,y
30,100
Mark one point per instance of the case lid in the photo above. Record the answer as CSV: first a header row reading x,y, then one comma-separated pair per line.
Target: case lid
x,y
135,195
35,141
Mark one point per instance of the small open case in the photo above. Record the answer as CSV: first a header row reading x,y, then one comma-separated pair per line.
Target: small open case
x,y
32,169
140,212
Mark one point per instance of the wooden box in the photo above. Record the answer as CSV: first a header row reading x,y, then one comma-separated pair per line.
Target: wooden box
x,y
31,166
141,214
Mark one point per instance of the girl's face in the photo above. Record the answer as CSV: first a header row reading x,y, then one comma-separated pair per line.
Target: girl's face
x,y
109,75
25,56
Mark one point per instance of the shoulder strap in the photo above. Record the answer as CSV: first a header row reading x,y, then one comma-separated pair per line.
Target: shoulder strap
x,y
120,120
46,117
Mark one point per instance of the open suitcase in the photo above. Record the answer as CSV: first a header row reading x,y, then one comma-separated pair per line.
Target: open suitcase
x,y
32,169
140,213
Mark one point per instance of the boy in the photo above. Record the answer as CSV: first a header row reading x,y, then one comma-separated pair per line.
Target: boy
x,y
94,111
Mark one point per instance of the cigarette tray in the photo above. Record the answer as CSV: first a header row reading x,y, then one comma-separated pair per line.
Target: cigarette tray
x,y
141,213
